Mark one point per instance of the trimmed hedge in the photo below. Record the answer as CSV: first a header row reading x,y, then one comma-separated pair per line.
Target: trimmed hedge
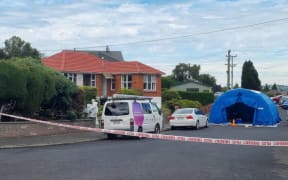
x,y
35,88
131,92
203,98
89,93
168,95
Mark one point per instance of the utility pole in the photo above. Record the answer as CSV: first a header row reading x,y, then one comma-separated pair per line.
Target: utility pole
x,y
228,69
230,66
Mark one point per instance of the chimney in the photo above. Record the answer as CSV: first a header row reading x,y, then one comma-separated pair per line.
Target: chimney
x,y
107,49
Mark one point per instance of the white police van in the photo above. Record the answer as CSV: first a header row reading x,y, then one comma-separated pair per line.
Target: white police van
x,y
131,113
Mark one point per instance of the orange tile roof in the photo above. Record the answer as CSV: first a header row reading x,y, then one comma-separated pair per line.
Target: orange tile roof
x,y
73,61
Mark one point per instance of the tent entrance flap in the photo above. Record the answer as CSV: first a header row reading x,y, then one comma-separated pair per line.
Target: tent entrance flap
x,y
240,110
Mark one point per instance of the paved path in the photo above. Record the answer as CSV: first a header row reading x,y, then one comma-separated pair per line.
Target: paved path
x,y
34,141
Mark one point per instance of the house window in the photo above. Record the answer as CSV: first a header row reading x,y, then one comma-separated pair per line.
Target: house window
x,y
150,82
192,89
93,80
71,76
126,81
89,80
113,86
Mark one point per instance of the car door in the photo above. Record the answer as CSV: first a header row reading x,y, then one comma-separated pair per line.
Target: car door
x,y
201,117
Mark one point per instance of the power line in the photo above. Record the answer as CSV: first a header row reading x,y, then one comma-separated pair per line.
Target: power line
x,y
183,36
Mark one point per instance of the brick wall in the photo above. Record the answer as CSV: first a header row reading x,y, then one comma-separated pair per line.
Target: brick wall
x,y
99,84
15,129
158,88
137,83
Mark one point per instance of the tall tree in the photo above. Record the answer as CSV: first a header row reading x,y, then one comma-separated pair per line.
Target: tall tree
x,y
193,71
16,47
207,79
184,72
236,86
274,87
266,88
167,82
2,54
249,78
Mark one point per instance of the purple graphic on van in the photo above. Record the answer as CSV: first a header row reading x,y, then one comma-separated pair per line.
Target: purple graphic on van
x,y
137,113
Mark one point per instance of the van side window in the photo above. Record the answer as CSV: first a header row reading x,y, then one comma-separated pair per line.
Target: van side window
x,y
146,108
116,109
154,108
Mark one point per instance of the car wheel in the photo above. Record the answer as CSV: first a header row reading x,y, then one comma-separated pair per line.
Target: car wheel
x,y
172,127
157,129
206,125
197,125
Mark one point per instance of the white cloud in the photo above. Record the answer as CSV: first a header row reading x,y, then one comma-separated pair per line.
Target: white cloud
x,y
129,8
70,24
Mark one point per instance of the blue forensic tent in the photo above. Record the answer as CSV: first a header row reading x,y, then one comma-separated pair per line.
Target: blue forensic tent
x,y
252,107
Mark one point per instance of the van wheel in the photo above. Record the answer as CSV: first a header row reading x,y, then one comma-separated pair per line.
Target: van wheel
x,y
157,129
111,136
140,130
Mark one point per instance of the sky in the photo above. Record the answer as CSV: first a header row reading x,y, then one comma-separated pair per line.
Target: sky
x,y
160,33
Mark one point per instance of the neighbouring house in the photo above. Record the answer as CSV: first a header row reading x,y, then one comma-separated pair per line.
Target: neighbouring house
x,y
191,86
107,54
85,68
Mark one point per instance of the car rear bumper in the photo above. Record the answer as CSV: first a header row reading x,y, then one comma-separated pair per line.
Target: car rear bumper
x,y
183,123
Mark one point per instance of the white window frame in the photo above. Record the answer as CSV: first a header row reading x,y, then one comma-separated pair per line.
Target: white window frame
x,y
113,84
71,76
93,80
150,81
125,83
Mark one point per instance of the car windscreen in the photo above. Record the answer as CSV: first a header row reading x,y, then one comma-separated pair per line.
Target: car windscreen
x,y
183,111
116,109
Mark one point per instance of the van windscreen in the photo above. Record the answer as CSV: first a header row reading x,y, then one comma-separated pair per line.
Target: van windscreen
x,y
117,109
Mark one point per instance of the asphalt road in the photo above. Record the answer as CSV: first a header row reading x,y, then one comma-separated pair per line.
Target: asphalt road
x,y
133,159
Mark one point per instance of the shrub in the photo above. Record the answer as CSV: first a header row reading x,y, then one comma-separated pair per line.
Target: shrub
x,y
131,92
71,115
203,98
89,93
12,82
35,88
185,103
168,95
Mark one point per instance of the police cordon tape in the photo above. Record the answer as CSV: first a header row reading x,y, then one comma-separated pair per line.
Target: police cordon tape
x,y
161,136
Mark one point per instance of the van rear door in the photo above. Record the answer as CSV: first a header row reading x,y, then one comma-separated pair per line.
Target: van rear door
x,y
116,115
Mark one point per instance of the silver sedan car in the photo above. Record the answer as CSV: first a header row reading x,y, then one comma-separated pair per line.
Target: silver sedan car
x,y
188,117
